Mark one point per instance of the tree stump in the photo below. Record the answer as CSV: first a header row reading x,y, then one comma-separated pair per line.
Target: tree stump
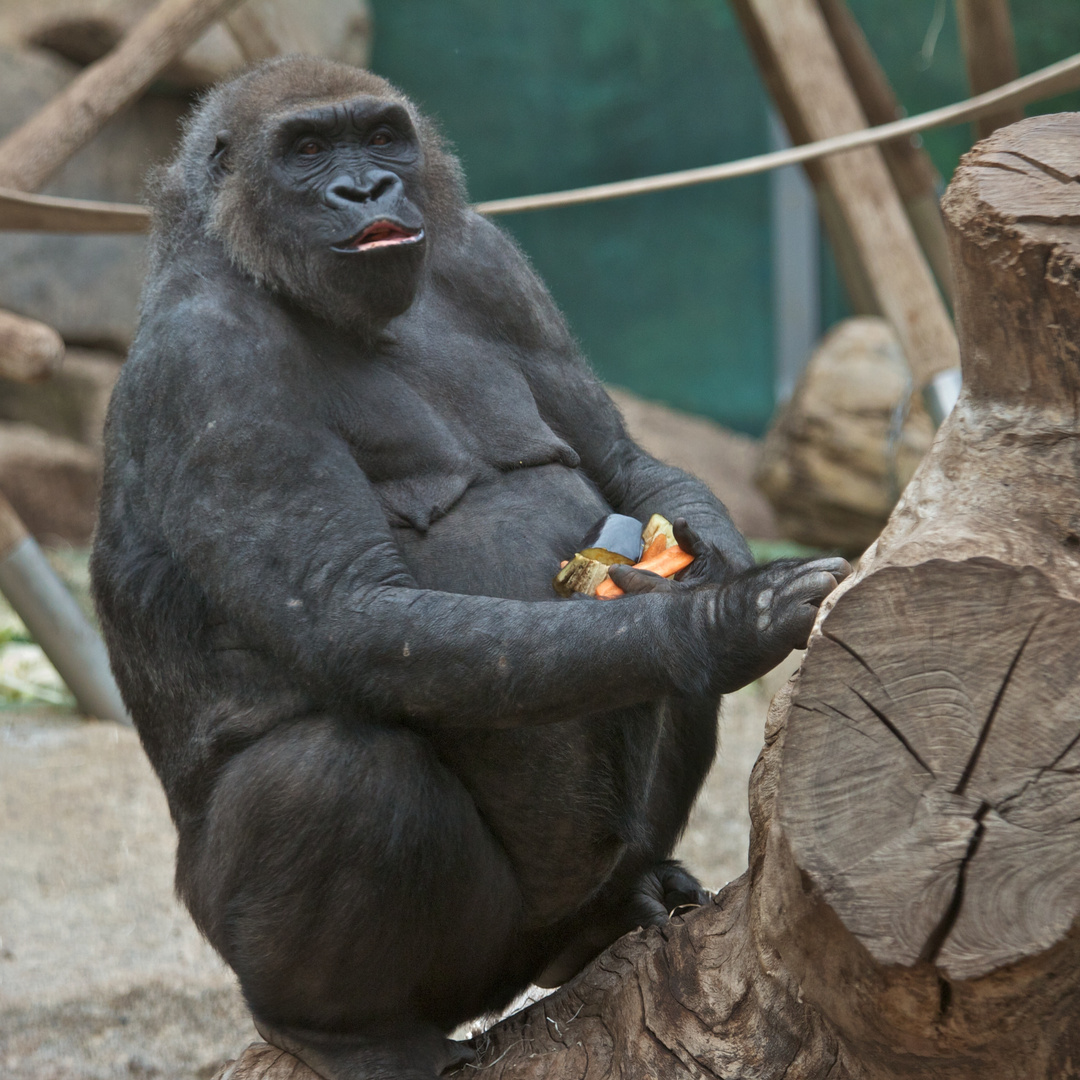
x,y
911,904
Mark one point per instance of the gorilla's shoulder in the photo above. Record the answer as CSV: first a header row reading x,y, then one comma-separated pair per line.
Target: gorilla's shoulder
x,y
210,326
483,268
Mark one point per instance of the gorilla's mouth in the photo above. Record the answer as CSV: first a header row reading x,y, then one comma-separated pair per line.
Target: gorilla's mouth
x,y
382,234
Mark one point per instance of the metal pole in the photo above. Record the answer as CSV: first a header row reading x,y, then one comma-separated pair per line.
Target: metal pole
x,y
55,620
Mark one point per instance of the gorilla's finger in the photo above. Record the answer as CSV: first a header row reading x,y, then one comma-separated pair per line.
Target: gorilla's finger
x,y
633,581
688,539
811,588
838,567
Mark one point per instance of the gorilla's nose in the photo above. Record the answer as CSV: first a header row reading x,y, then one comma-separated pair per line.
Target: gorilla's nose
x,y
345,191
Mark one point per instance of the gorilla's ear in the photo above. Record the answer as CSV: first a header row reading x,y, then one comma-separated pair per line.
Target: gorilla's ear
x,y
217,165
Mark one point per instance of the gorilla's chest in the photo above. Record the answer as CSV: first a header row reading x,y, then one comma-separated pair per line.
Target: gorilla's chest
x,y
429,422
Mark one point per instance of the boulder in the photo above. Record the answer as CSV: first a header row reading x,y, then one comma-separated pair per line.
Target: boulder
x,y
839,453
52,482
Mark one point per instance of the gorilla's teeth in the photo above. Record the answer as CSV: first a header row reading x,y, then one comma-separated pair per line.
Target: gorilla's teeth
x,y
383,234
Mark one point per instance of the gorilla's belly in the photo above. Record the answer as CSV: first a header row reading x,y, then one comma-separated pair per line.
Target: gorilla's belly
x,y
506,535
538,787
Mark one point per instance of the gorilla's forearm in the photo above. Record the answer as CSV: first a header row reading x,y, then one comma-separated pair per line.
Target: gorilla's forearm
x,y
479,661
638,485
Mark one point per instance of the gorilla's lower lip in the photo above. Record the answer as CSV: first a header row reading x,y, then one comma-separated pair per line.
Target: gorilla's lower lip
x,y
382,234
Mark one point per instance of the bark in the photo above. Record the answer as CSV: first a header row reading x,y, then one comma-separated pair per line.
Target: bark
x,y
910,908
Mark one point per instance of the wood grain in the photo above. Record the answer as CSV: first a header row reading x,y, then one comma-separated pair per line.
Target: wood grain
x,y
938,713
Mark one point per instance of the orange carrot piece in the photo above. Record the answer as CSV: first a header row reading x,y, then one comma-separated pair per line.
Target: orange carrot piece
x,y
667,563
658,546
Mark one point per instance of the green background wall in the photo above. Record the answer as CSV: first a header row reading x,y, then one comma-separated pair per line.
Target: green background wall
x,y
669,294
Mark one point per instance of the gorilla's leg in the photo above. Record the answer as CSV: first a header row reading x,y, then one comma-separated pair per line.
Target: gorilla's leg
x,y
648,885
346,876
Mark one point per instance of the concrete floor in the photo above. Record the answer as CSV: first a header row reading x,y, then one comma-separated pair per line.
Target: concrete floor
x,y
102,974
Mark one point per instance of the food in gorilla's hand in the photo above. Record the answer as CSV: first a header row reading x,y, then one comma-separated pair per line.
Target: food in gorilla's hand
x,y
610,542
615,539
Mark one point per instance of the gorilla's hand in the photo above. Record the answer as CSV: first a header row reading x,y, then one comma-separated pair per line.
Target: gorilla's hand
x,y
662,890
711,566
770,610
750,623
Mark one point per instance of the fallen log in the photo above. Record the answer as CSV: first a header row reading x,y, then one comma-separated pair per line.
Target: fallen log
x,y
29,350
912,900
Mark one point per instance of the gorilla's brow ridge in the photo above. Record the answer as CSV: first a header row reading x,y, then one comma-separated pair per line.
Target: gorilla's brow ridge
x,y
335,120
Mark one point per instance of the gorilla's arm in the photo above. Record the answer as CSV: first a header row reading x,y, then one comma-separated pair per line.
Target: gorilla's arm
x,y
573,402
632,481
269,513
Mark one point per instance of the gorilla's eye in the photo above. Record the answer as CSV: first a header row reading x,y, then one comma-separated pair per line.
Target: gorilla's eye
x,y
309,148
382,137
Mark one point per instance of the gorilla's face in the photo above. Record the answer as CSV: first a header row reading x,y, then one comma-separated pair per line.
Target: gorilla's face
x,y
325,204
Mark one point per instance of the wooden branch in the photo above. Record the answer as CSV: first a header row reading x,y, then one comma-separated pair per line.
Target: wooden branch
x,y
912,904
29,350
38,148
986,36
253,33
45,213
844,247
802,67
917,181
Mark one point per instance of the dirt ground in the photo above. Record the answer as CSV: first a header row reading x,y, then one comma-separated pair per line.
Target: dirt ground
x,y
102,974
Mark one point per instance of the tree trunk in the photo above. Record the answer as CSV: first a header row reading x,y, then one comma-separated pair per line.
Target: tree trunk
x,y
910,909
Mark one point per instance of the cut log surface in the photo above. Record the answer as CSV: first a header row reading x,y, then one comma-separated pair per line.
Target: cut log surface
x,y
930,784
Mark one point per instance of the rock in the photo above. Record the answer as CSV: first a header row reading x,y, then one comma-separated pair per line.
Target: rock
x,y
86,287
84,30
52,482
72,403
839,453
724,459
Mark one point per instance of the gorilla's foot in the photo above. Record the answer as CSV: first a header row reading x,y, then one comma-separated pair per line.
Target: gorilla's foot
x,y
665,890
386,1051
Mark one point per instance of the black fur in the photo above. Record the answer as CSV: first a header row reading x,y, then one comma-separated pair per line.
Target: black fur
x,y
407,779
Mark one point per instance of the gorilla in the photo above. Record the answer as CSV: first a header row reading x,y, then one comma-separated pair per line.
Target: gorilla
x,y
351,444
